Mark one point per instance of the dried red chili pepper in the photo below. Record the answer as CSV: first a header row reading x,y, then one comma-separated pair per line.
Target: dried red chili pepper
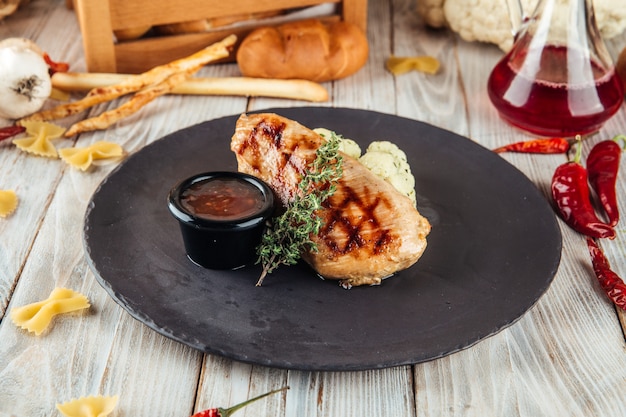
x,y
545,146
611,283
10,131
602,166
570,192
226,412
55,66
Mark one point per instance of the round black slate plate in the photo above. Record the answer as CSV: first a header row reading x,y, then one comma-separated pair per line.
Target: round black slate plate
x,y
495,247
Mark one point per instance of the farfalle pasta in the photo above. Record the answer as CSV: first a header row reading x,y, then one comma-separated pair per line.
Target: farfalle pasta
x,y
8,202
94,406
37,316
83,158
38,139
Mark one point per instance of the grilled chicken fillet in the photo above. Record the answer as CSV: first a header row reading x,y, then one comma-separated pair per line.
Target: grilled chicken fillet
x,y
370,229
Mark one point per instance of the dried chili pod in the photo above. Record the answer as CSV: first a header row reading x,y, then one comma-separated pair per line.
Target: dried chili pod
x,y
602,167
10,131
570,192
544,146
226,412
611,283
55,66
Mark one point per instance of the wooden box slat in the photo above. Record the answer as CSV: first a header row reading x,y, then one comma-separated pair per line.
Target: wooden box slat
x,y
98,19
132,13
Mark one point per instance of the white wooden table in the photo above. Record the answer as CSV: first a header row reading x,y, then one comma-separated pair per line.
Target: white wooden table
x,y
566,356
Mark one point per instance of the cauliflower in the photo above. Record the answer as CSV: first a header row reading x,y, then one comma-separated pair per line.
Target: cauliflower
x,y
488,20
389,162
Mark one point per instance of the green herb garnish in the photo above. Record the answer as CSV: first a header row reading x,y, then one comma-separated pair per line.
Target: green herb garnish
x,y
289,234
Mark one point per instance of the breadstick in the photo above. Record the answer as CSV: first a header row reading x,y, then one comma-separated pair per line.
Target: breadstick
x,y
137,82
229,86
139,100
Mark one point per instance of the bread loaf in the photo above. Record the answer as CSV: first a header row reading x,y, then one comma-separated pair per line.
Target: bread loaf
x,y
205,25
308,49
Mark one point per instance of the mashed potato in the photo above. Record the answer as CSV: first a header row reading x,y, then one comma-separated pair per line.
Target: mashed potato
x,y
347,146
383,158
390,163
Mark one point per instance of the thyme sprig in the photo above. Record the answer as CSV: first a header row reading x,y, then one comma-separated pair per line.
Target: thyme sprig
x,y
289,234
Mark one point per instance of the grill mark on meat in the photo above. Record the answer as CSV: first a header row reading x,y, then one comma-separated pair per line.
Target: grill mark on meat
x,y
354,227
292,161
251,145
287,151
274,131
257,134
370,231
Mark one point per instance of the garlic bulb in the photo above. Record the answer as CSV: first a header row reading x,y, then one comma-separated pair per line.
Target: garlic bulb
x,y
25,82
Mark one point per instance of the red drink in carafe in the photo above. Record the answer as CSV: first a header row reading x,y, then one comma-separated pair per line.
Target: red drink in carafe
x,y
548,98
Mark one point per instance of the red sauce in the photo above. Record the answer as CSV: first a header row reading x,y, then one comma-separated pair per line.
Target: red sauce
x,y
222,199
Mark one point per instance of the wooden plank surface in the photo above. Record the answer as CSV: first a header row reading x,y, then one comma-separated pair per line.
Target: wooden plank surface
x,y
566,356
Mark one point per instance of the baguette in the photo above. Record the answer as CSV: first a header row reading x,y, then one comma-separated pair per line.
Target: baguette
x,y
130,34
206,25
307,49
138,82
233,86
140,99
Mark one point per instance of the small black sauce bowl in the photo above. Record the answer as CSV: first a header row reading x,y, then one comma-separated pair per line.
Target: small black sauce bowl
x,y
224,243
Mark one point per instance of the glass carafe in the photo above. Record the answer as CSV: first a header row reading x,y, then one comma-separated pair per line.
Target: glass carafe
x,y
558,79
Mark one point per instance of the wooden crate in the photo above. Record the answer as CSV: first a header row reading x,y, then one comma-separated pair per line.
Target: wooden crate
x,y
99,19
